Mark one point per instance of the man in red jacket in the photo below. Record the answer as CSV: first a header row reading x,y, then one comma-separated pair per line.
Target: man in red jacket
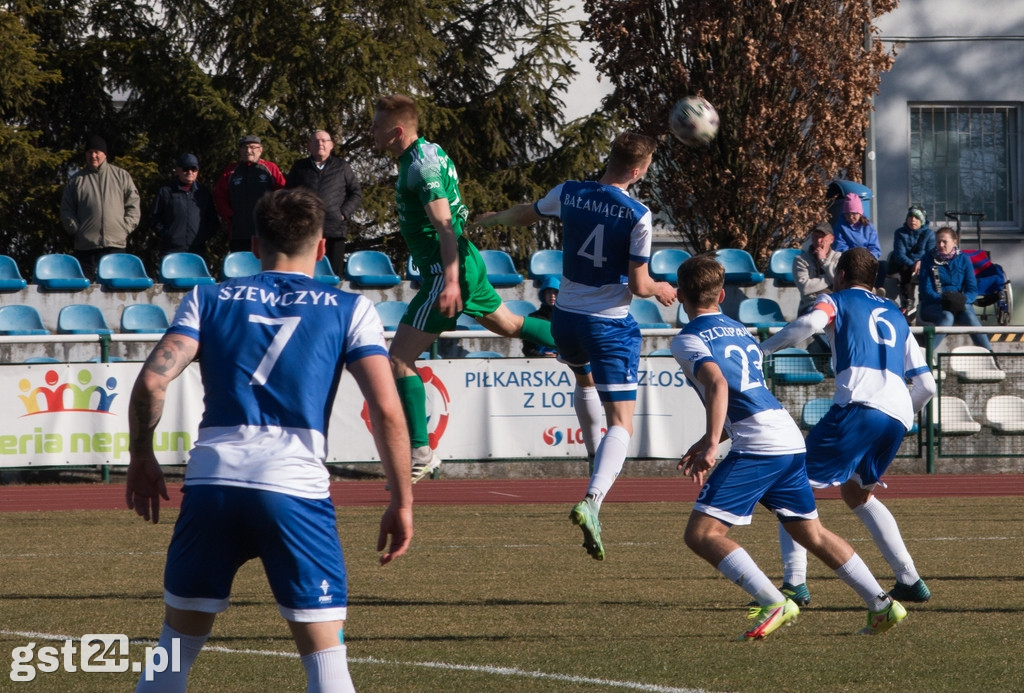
x,y
240,187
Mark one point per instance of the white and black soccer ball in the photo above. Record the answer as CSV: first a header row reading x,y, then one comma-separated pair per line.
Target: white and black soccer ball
x,y
694,121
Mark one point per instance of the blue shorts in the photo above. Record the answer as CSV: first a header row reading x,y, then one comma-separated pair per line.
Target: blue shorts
x,y
741,481
222,527
610,347
852,442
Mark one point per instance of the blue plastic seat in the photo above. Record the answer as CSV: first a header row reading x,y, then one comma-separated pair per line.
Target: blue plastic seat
x,y
665,262
10,275
484,355
760,312
795,367
467,323
545,263
391,313
324,273
661,352
21,320
412,272
371,269
123,272
241,263
41,359
184,271
521,307
647,314
82,318
144,318
780,266
58,272
501,271
682,319
739,267
813,410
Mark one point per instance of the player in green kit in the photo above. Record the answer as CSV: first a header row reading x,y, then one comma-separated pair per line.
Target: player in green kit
x,y
431,217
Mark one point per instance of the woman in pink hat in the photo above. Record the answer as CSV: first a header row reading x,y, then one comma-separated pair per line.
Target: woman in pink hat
x,y
854,230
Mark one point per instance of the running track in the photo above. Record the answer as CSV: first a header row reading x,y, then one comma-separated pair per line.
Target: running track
x,y
27,498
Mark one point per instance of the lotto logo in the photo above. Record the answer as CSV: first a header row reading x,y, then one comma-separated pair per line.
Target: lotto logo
x,y
552,436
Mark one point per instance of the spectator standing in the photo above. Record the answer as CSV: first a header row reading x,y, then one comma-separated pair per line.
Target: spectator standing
x,y
100,207
547,294
332,179
240,187
948,288
854,230
814,269
911,242
183,215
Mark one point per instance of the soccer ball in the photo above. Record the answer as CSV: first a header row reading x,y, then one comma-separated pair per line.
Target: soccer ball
x,y
693,121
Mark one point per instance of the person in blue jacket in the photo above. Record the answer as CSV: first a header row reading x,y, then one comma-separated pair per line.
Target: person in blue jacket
x,y
854,230
911,242
948,288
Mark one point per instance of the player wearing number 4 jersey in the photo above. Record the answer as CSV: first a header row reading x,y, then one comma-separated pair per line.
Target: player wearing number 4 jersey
x,y
764,465
606,246
873,355
271,350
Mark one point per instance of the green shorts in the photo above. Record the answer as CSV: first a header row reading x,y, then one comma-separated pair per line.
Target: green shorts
x,y
478,296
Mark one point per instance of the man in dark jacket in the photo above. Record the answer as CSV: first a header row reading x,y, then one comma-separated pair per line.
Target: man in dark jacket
x,y
240,187
183,213
332,179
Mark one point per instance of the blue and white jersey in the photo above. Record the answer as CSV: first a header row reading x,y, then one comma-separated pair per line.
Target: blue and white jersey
x,y
873,352
755,421
603,228
271,351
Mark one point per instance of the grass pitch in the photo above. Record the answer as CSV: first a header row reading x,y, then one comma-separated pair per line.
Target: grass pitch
x,y
503,598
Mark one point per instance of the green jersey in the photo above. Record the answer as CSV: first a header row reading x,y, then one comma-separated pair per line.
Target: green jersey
x,y
425,174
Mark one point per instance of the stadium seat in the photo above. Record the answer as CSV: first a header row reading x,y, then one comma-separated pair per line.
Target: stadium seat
x,y
780,266
661,352
81,318
682,319
412,272
324,273
1005,414
21,320
143,318
123,272
760,312
955,418
10,275
647,314
665,262
521,307
545,263
501,271
974,364
483,355
41,359
241,263
467,323
371,269
391,313
740,269
58,272
184,271
795,366
813,410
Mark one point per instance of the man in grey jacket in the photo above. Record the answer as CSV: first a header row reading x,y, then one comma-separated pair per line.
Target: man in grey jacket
x,y
100,207
814,269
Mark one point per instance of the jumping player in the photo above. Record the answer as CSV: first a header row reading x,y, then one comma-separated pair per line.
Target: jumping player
x,y
606,247
764,465
431,217
873,355
256,485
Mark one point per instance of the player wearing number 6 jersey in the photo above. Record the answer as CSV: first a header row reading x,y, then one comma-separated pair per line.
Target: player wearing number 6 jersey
x,y
606,246
271,350
873,355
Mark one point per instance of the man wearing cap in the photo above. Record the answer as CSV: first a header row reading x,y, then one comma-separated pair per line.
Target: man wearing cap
x,y
183,215
814,269
100,207
240,187
911,243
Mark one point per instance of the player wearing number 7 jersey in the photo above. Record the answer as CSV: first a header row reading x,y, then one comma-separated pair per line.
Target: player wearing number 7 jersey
x,y
606,247
271,350
873,355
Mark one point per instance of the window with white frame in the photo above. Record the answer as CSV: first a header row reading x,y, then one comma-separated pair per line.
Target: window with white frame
x,y
965,158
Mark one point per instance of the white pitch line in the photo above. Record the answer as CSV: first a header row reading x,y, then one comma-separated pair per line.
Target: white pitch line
x,y
507,495
481,669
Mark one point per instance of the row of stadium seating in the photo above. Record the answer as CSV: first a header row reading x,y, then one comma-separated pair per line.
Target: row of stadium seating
x,y
82,318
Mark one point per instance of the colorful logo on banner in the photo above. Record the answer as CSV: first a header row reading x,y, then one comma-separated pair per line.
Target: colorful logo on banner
x,y
572,436
552,436
438,401
51,396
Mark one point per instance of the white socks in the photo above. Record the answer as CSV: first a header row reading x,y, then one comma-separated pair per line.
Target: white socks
x,y
794,559
589,412
855,573
168,681
739,567
886,535
327,671
611,455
